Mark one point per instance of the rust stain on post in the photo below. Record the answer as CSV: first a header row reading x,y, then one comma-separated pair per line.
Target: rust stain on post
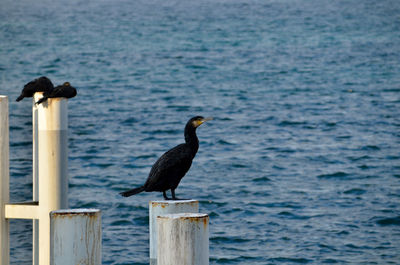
x,y
91,213
205,221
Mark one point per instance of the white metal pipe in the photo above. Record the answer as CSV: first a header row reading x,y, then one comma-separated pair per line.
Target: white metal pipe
x,y
75,237
4,181
22,211
35,176
50,156
52,123
35,154
157,208
183,239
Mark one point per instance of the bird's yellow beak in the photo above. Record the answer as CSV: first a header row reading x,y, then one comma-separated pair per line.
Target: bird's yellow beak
x,y
207,119
197,123
200,122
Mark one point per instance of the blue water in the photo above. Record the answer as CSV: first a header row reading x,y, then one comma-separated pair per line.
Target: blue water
x,y
302,161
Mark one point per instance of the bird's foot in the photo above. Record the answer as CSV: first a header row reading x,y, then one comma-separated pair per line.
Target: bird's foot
x,y
179,199
174,199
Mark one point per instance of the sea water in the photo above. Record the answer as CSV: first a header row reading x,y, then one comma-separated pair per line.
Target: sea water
x,y
301,163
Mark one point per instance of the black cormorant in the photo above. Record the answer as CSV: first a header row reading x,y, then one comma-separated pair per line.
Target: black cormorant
x,y
63,91
172,166
41,84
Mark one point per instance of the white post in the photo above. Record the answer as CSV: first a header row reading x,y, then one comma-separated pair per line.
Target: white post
x,y
35,176
52,163
75,237
157,208
50,189
4,182
183,239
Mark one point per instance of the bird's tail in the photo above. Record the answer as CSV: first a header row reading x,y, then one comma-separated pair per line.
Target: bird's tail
x,y
20,98
132,191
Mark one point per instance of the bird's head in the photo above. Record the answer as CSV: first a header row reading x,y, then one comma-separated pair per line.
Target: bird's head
x,y
66,84
198,120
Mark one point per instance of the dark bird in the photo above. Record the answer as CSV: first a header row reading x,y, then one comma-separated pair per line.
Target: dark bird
x,y
172,166
41,84
63,91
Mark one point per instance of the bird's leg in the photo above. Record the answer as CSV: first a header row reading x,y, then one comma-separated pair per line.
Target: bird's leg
x,y
165,196
174,197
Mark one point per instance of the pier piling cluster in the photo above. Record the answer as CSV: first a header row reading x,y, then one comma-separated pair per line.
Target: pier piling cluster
x,y
51,229
61,236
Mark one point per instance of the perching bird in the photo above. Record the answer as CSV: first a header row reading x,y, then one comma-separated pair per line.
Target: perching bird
x,y
172,166
41,84
63,91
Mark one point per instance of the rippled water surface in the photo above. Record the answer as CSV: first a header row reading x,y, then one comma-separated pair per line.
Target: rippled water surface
x,y
302,161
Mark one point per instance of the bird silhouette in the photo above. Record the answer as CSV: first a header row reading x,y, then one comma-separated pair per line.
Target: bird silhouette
x,y
63,91
41,84
173,165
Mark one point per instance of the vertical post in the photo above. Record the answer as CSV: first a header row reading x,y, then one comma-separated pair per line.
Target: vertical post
x,y
35,177
4,181
157,208
52,161
75,237
183,239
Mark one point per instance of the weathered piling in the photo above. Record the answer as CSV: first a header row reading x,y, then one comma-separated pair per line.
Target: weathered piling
x,y
35,176
67,237
52,163
157,208
50,179
4,181
183,239
75,237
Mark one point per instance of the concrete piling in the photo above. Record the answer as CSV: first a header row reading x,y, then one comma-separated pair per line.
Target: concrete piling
x,y
183,239
4,181
52,163
75,237
157,208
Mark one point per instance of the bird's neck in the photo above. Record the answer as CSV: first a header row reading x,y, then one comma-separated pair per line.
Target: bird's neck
x,y
191,138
